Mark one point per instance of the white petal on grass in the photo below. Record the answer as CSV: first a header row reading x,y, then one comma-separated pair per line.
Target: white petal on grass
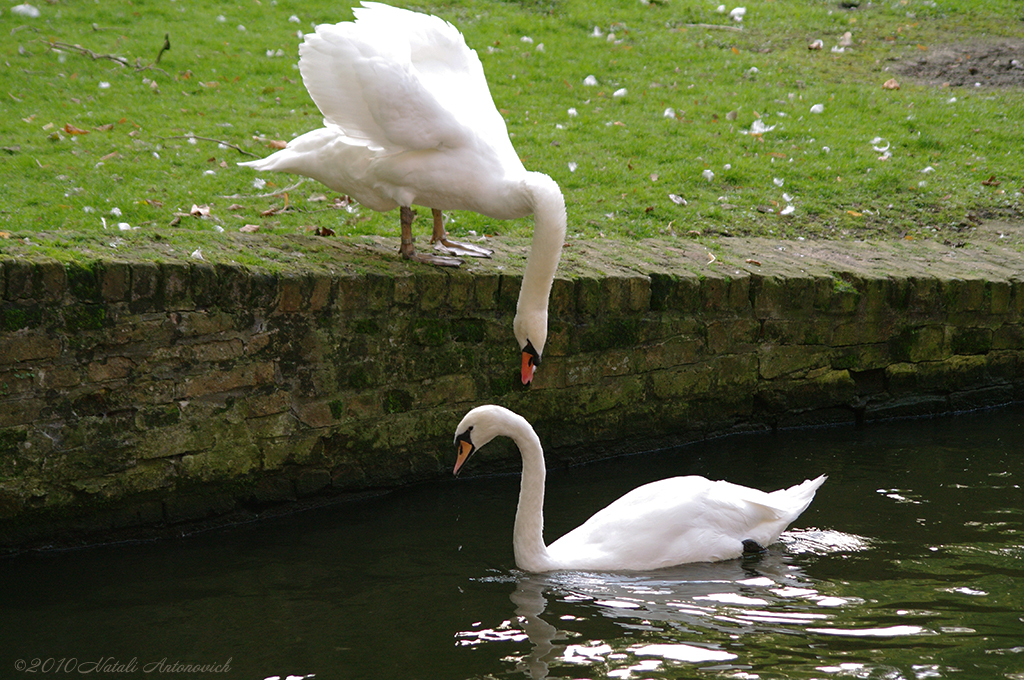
x,y
928,170
787,198
26,10
818,108
737,13
572,112
573,166
590,81
778,181
197,254
708,175
294,20
876,144
526,39
598,33
124,226
669,113
621,92
788,210
759,127
241,28
104,85
259,183
116,212
720,9
678,200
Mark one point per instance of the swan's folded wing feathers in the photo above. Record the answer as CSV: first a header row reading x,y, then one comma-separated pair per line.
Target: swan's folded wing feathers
x,y
447,68
371,94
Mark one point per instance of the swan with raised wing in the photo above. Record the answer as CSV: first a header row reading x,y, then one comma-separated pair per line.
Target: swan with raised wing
x,y
409,120
664,523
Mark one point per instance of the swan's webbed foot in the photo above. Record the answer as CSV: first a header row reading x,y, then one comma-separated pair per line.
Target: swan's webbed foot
x,y
752,548
442,244
408,251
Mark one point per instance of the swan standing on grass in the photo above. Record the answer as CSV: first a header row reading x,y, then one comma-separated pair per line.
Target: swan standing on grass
x,y
409,119
664,523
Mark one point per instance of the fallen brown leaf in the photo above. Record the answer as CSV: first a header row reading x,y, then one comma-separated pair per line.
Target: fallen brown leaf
x,y
890,84
277,144
104,128
72,130
753,262
991,182
249,229
324,231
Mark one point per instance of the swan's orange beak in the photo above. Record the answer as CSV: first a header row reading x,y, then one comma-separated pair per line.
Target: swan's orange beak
x,y
465,450
531,359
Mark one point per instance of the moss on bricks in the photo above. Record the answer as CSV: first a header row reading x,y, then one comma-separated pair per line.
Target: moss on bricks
x,y
396,401
78,318
16,318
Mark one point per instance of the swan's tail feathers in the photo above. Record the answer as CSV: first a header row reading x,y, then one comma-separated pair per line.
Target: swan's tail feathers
x,y
796,498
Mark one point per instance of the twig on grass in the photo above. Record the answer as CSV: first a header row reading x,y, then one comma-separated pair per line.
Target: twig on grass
x,y
270,195
715,27
215,141
96,56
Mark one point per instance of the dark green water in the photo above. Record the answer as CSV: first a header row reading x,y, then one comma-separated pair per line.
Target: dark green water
x,y
909,564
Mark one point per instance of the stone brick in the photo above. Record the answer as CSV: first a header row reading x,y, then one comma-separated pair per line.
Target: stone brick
x,y
320,295
20,276
177,286
778,360
111,368
27,346
114,281
289,298
314,414
20,411
145,286
249,375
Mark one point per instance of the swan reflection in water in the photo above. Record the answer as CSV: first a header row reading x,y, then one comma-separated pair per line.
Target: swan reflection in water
x,y
690,614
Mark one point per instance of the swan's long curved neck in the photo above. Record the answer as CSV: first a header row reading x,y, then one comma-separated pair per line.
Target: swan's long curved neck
x,y
528,535
546,247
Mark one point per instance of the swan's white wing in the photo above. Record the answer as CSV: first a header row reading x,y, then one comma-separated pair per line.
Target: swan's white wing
x,y
401,81
374,99
442,61
677,520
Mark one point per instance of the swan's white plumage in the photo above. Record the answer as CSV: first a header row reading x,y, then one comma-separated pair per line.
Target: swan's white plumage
x,y
668,522
409,120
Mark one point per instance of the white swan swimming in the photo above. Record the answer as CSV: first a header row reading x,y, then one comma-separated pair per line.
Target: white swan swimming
x,y
664,523
409,120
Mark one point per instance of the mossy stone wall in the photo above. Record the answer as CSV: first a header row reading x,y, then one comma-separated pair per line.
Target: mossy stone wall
x,y
136,395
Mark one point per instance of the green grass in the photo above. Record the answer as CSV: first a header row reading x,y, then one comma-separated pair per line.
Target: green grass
x,y
143,154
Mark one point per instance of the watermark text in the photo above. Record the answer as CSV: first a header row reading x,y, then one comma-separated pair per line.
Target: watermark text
x,y
70,665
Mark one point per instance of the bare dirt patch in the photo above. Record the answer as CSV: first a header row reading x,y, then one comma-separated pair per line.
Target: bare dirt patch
x,y
965,65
